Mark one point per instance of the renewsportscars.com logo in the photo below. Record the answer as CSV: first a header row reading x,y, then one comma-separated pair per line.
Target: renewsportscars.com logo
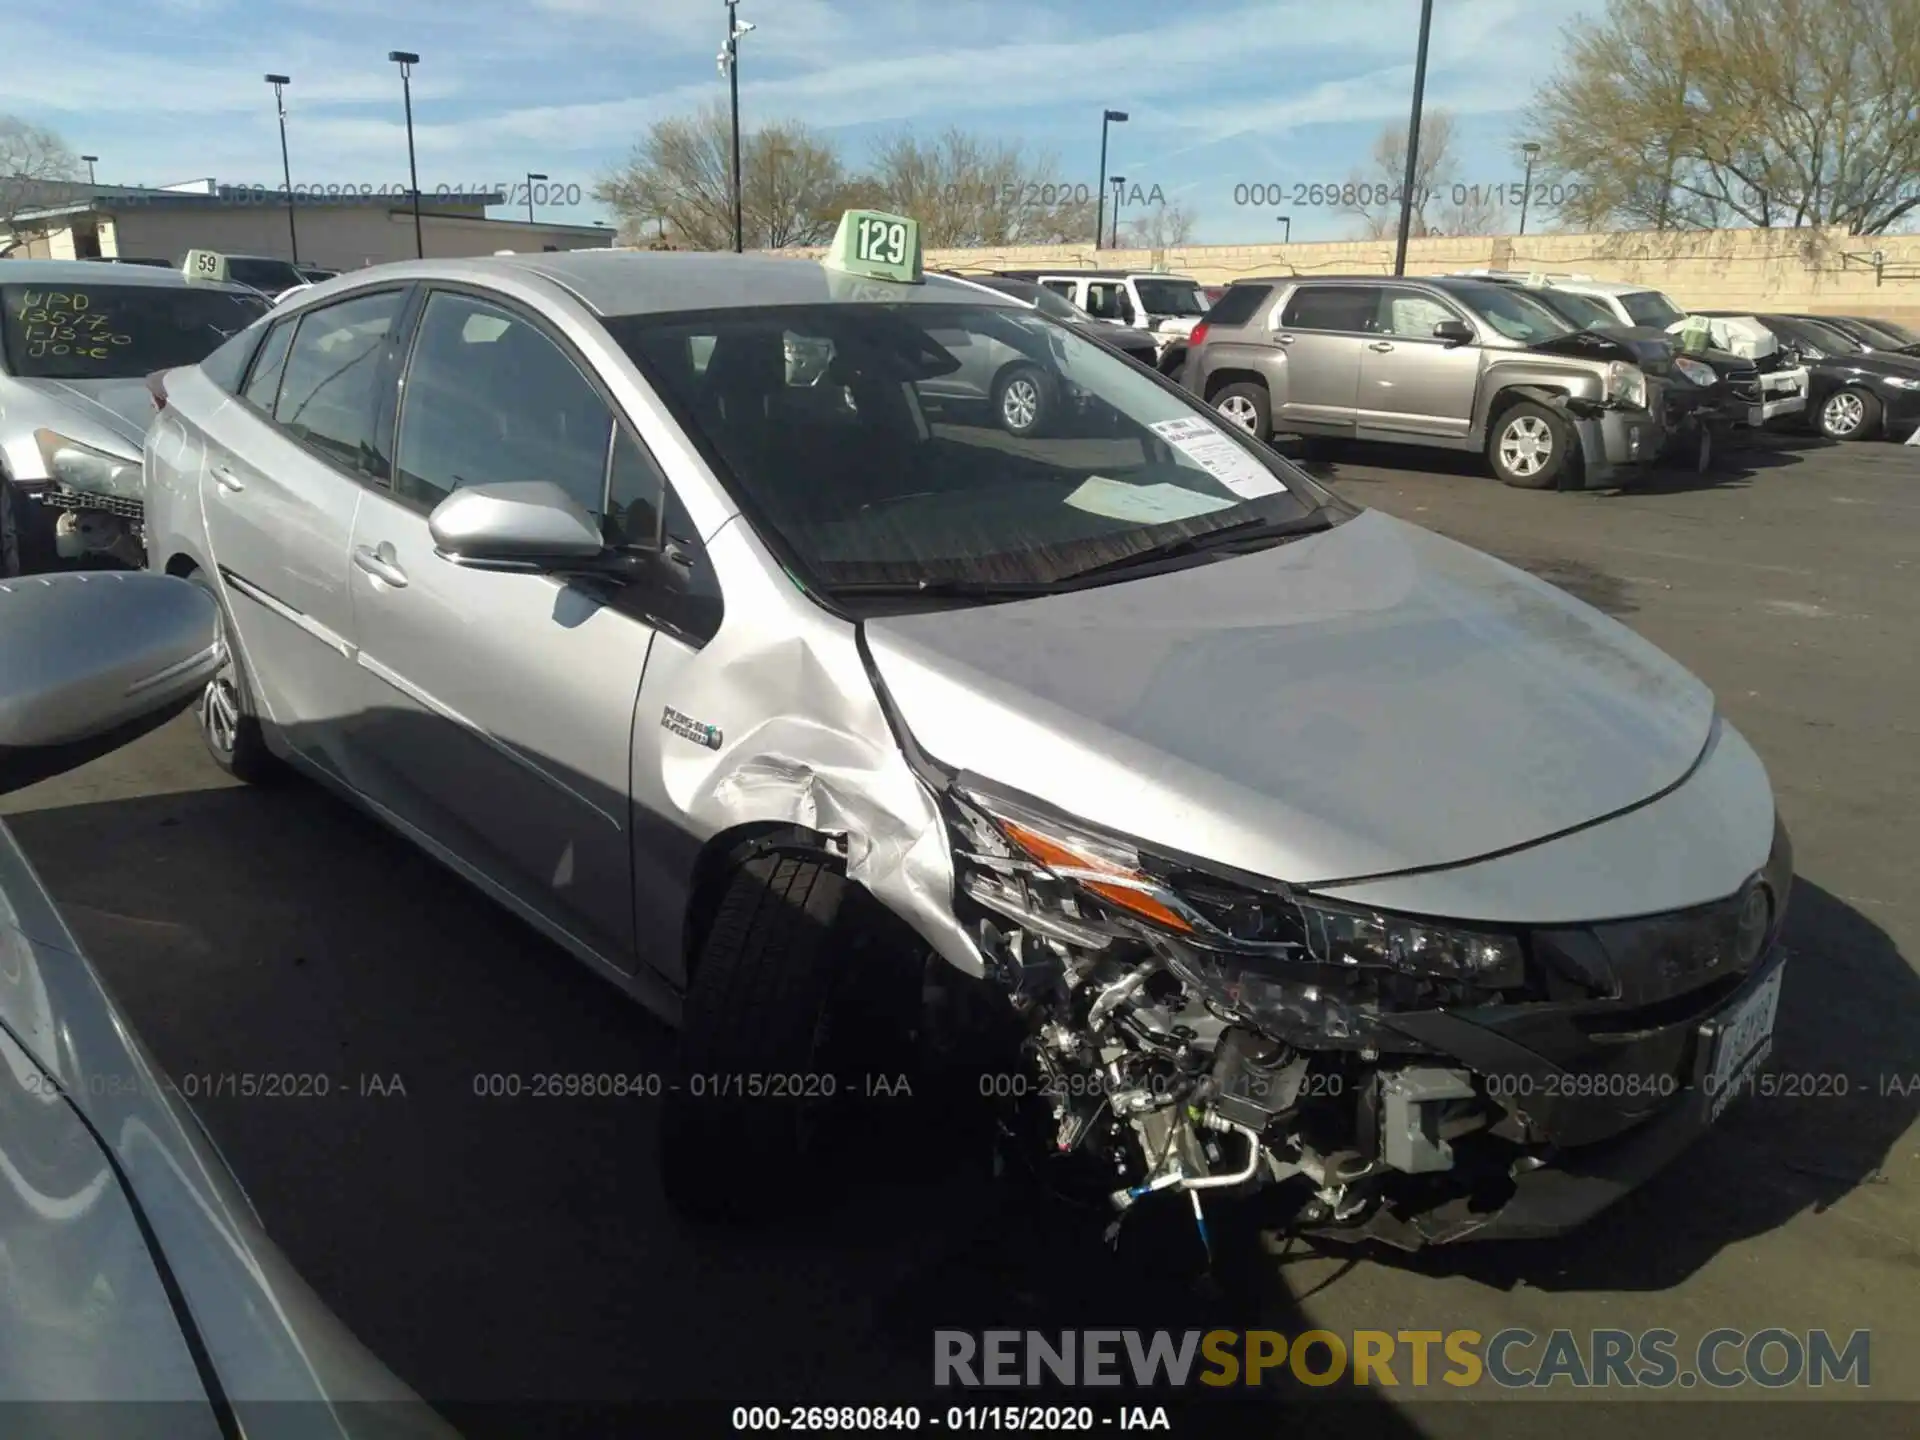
x,y
1510,1359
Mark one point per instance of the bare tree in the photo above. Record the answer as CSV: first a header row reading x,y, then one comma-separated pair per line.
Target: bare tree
x,y
965,190
33,159
678,182
1679,114
1160,227
1442,203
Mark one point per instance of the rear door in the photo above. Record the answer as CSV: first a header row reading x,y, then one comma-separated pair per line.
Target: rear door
x,y
1411,383
1324,331
282,481
499,708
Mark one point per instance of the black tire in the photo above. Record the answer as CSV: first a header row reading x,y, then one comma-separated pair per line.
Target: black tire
x,y
1522,463
1247,405
1023,400
763,1064
224,712
1850,414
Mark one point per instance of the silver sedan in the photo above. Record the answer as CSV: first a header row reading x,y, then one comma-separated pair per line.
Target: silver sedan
x,y
1274,840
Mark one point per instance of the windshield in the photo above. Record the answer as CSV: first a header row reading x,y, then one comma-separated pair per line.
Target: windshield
x,y
1171,297
1575,309
1516,316
116,332
1881,335
1829,340
271,276
1904,334
1650,307
951,444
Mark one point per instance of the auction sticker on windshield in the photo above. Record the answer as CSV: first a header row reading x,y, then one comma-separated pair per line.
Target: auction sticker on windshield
x,y
1220,456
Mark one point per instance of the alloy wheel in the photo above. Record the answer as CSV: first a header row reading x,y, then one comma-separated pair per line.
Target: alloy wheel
x,y
1843,413
1239,409
220,712
1020,404
1526,445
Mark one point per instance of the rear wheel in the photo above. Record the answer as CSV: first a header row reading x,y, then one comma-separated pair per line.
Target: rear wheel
x,y
1248,406
228,725
1850,414
1530,447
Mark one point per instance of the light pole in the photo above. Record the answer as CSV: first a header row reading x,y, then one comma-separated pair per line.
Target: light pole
x,y
1287,234
1119,183
280,83
531,177
1107,117
1413,138
406,60
1530,149
729,59
90,159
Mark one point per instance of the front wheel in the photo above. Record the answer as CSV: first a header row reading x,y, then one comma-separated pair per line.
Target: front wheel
x,y
1530,447
1850,414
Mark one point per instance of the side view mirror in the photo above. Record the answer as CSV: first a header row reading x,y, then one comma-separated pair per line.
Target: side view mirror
x,y
90,660
1454,332
526,526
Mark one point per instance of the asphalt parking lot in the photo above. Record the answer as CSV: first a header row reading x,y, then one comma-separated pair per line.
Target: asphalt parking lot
x,y
519,1249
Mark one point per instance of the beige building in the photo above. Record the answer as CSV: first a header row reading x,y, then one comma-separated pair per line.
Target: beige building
x,y
339,232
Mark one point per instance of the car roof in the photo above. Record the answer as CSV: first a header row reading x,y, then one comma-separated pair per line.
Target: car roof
x,y
90,272
657,282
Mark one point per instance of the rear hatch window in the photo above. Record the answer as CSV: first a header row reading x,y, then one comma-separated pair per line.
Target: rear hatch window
x,y
1239,304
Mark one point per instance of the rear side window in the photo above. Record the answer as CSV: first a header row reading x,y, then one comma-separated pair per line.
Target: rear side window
x,y
328,397
1238,305
228,364
1332,307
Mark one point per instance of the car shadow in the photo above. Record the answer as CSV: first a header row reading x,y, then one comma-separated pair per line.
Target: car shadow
x,y
505,1246
1840,1091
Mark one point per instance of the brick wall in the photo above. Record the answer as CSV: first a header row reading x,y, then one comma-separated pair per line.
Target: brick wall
x,y
1812,270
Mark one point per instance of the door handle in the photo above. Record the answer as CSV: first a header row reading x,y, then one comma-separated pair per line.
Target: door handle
x,y
227,480
1381,345
1283,339
378,565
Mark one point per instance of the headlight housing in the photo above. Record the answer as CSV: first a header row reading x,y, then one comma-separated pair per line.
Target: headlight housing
x,y
1211,912
1627,384
87,469
1698,371
1904,382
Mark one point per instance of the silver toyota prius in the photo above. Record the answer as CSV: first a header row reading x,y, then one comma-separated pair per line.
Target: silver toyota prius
x,y
1242,839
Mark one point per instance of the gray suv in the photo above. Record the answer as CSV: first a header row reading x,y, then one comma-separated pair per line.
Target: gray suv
x,y
1456,363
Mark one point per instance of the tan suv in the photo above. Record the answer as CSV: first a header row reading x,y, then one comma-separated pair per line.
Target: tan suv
x,y
1459,364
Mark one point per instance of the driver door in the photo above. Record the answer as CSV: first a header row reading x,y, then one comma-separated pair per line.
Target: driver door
x,y
1411,383
499,708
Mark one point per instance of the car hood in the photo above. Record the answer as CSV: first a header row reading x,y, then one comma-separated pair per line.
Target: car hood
x,y
122,407
1652,353
1366,701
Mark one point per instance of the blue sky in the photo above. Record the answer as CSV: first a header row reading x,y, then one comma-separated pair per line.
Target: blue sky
x,y
1221,94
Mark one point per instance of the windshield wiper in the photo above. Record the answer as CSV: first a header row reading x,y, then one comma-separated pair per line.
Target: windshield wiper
x,y
1241,532
944,589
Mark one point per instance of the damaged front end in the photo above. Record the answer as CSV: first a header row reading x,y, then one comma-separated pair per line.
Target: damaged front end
x,y
1415,1081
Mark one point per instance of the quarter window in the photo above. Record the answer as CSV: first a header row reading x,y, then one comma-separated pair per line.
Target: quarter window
x,y
263,388
328,398
490,399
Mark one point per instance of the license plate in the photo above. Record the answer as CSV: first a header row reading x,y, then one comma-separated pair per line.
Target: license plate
x,y
1756,415
1743,1042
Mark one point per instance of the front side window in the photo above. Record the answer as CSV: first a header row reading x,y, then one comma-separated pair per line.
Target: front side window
x,y
1410,314
490,399
328,397
1346,308
903,465
116,332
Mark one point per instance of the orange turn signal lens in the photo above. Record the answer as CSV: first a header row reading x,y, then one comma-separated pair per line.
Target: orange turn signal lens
x,y
1058,855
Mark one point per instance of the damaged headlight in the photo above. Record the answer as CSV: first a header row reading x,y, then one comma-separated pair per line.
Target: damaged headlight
x,y
82,467
1699,372
1626,385
1216,913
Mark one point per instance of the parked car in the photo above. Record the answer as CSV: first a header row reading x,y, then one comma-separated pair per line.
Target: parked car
x,y
314,274
1134,344
141,1295
1877,335
793,712
1725,389
1166,306
1782,382
1855,393
1455,363
155,261
77,342
265,273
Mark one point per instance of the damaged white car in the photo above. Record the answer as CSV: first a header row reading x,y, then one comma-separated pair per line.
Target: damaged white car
x,y
1286,847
